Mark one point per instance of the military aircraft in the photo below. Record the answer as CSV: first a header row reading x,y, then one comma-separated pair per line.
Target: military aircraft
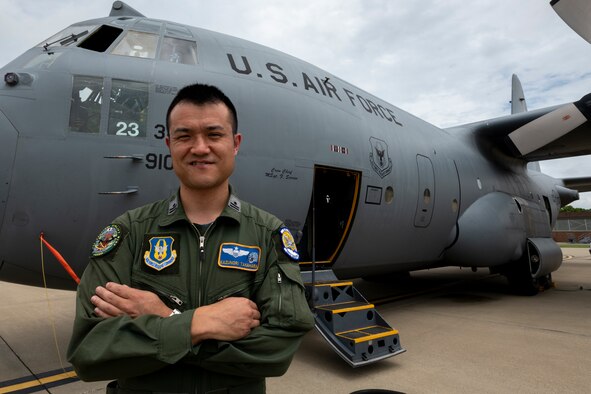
x,y
368,189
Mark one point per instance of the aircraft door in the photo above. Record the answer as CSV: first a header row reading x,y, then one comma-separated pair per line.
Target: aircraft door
x,y
332,209
8,139
426,192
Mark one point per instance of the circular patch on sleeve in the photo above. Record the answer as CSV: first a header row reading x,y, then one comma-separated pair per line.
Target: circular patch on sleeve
x,y
289,245
106,240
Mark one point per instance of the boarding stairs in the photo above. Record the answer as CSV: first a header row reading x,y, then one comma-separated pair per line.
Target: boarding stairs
x,y
350,324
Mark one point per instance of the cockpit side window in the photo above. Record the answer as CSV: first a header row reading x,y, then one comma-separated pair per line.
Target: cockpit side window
x,y
128,111
86,102
101,39
178,51
137,44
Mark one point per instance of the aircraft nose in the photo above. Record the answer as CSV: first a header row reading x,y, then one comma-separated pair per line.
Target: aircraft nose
x,y
8,138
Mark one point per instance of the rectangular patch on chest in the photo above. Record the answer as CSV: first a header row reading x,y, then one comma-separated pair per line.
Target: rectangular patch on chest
x,y
239,257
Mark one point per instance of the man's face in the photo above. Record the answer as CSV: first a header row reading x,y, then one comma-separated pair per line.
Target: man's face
x,y
202,144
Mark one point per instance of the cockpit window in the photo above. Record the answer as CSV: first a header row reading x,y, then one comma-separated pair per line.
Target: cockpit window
x,y
137,44
176,30
178,51
68,36
148,25
127,106
128,111
85,111
101,39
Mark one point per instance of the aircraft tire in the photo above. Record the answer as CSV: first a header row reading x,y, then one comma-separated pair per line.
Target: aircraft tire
x,y
521,282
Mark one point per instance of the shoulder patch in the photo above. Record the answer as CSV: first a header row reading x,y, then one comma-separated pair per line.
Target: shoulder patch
x,y
106,241
289,245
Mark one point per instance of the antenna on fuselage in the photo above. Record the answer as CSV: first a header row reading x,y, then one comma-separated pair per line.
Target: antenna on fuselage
x,y
120,8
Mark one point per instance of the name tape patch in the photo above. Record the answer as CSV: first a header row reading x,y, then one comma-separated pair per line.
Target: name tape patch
x,y
239,257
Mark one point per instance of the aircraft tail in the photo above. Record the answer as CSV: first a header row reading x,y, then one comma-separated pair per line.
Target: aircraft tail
x,y
518,104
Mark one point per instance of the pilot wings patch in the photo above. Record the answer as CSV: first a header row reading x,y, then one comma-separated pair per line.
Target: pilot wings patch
x,y
239,257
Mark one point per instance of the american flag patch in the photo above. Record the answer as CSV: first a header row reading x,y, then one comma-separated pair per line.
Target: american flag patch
x,y
339,149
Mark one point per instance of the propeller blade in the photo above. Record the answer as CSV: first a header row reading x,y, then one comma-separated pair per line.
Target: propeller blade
x,y
576,14
550,127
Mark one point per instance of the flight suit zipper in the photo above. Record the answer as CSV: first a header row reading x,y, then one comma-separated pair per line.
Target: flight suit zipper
x,y
201,382
201,259
171,300
279,281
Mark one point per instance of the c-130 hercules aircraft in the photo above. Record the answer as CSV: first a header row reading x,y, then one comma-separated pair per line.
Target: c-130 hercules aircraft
x,y
368,189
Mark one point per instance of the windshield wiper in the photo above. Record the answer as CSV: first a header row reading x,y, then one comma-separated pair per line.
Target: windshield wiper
x,y
67,40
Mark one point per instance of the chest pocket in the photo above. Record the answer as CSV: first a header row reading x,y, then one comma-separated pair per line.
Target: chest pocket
x,y
233,283
170,293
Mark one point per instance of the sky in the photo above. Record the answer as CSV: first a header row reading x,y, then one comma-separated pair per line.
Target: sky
x,y
446,61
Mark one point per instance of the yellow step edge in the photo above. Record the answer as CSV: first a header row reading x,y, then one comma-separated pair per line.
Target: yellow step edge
x,y
353,308
331,284
368,337
327,307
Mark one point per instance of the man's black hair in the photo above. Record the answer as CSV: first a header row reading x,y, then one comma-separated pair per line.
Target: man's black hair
x,y
200,94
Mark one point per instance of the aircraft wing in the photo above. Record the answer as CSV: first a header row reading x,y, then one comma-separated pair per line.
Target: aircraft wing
x,y
549,133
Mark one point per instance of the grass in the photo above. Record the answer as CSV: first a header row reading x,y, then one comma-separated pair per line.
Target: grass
x,y
569,245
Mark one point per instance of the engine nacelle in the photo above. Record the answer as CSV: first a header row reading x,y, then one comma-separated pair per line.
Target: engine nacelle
x,y
545,256
490,232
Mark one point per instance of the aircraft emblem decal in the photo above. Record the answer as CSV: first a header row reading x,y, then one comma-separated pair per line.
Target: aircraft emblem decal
x,y
289,244
106,240
379,158
161,253
240,257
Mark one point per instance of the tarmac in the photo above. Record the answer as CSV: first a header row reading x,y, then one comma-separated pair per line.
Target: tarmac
x,y
464,332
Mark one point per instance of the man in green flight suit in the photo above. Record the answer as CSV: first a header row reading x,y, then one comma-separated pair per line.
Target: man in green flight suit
x,y
198,293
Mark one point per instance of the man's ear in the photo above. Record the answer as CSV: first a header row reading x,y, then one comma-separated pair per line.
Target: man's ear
x,y
237,141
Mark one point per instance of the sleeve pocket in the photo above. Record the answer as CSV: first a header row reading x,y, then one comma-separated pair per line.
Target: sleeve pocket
x,y
290,309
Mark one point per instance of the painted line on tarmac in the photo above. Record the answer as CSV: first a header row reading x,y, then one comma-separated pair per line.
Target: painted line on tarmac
x,y
39,382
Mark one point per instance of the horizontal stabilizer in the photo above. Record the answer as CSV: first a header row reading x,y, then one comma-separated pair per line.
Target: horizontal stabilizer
x,y
581,184
566,195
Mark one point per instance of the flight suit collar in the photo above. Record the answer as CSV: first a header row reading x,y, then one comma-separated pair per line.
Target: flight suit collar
x,y
174,210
